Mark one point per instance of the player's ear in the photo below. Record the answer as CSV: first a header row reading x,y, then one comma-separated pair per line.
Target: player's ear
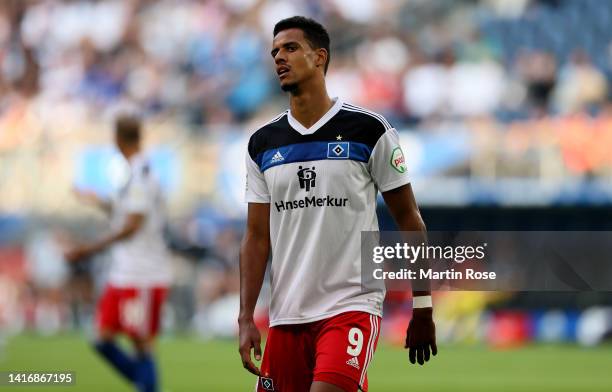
x,y
321,57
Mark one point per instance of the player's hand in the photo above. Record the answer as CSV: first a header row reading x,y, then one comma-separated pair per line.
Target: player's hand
x,y
421,336
249,338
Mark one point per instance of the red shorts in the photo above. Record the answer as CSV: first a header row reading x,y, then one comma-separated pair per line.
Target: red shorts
x,y
336,350
133,311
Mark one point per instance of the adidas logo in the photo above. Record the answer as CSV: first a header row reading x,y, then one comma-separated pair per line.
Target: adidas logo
x,y
278,157
353,362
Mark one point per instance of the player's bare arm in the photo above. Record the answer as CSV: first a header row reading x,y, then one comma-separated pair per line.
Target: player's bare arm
x,y
92,199
421,332
132,225
254,253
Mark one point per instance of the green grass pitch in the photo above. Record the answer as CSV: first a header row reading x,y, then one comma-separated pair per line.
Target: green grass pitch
x,y
193,365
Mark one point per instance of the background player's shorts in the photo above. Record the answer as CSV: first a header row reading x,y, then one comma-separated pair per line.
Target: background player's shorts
x,y
133,311
336,350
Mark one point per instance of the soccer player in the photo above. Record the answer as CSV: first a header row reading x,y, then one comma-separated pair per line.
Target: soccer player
x,y
140,272
313,173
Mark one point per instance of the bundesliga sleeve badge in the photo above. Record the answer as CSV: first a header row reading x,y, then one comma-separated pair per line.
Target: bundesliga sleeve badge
x,y
397,160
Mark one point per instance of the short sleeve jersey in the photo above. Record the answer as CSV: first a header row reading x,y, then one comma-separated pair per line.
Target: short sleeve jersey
x,y
141,260
321,183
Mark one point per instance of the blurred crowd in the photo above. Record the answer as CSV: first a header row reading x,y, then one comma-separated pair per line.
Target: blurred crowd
x,y
531,75
207,62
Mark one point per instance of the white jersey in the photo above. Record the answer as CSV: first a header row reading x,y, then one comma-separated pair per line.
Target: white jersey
x,y
322,184
142,259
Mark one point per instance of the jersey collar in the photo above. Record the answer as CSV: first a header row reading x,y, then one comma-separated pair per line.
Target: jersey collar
x,y
137,159
295,124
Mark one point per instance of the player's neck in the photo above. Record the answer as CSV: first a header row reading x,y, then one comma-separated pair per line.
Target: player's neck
x,y
309,105
131,153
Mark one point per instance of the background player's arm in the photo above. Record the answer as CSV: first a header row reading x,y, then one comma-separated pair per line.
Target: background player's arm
x,y
133,223
420,336
254,253
91,198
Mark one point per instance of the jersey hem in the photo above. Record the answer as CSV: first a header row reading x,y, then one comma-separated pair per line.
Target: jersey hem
x,y
394,184
305,320
253,199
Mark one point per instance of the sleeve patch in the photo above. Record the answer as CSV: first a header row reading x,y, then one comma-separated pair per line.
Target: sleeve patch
x,y
397,160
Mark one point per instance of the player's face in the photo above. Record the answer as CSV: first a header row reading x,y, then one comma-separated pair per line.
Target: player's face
x,y
296,61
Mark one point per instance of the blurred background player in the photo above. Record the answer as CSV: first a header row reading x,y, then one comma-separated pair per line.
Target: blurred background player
x,y
140,273
324,324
